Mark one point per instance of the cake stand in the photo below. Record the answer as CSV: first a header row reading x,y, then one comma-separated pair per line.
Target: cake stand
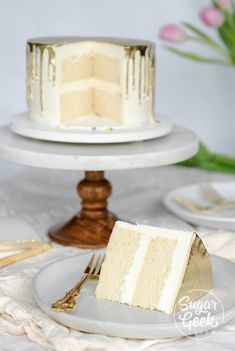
x,y
91,228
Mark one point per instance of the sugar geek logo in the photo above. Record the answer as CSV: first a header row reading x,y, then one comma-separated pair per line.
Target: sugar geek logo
x,y
198,316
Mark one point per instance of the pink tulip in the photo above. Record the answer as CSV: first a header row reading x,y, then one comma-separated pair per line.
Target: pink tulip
x,y
173,34
225,5
212,17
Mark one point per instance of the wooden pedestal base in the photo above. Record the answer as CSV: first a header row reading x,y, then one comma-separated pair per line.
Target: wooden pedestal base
x,y
93,226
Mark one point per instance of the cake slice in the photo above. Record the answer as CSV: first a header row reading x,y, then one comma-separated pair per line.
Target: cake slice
x,y
154,267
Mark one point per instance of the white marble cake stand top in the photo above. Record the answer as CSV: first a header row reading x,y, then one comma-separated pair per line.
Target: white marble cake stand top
x,y
179,145
22,125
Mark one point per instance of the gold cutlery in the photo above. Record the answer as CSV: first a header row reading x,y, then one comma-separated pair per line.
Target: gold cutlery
x,y
212,195
91,272
194,207
22,249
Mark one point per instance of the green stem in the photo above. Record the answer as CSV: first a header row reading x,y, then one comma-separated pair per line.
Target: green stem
x,y
198,58
217,48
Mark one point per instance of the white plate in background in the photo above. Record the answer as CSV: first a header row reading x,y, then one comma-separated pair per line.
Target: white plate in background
x,y
222,219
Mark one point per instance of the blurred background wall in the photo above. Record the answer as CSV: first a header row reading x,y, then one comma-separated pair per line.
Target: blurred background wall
x,y
201,97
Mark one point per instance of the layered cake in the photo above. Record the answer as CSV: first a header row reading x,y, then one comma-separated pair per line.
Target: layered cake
x,y
154,267
90,82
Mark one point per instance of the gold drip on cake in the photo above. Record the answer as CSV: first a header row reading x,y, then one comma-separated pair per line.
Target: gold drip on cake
x,y
129,55
140,94
134,70
140,81
144,77
151,82
51,65
127,63
148,78
141,56
36,61
30,72
35,69
41,52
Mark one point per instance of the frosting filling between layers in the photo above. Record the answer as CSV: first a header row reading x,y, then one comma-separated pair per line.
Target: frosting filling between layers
x,y
133,275
176,274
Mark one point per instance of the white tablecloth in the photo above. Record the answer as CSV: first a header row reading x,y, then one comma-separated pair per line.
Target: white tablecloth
x,y
46,197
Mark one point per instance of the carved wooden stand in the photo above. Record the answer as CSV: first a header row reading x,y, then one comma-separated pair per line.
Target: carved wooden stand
x,y
92,227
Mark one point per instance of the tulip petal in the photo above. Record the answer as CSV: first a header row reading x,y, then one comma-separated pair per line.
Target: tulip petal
x,y
212,17
172,33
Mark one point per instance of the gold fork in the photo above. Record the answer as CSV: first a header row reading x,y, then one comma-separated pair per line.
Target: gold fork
x,y
211,194
192,206
92,271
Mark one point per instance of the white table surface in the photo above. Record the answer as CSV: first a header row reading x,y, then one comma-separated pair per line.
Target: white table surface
x,y
43,197
179,145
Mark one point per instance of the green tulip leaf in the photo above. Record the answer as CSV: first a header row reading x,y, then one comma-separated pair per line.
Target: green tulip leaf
x,y
204,37
211,161
196,57
228,36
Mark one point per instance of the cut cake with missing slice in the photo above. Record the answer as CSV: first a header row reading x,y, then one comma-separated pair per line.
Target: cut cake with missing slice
x,y
154,267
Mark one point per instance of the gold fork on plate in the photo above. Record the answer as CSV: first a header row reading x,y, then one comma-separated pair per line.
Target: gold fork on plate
x,y
91,272
211,194
193,207
218,203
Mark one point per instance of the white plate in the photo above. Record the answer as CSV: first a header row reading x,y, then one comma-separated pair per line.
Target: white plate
x,y
100,316
222,219
22,125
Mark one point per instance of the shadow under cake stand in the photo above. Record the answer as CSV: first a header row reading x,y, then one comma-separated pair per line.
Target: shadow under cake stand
x,y
91,228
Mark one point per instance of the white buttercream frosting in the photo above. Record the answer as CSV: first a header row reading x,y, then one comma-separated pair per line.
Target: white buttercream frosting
x,y
133,275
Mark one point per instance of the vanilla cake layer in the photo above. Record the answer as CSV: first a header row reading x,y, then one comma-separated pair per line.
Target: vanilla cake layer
x,y
90,102
75,103
107,66
154,267
117,262
88,66
76,68
153,258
